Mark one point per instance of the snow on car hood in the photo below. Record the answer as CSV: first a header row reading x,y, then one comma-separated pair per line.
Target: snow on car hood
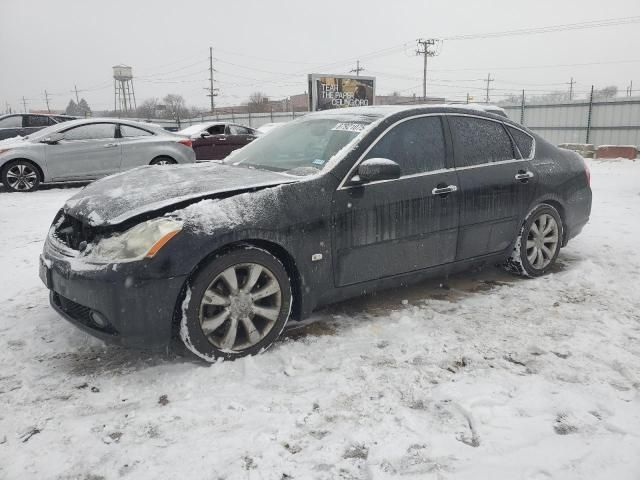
x,y
123,196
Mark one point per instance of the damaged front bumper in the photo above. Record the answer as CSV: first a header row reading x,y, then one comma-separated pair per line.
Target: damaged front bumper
x,y
128,304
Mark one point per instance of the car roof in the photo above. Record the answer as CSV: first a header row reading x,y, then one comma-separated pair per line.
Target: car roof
x,y
386,110
83,121
383,111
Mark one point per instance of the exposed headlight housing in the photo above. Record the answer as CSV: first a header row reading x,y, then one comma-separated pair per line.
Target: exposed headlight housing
x,y
139,242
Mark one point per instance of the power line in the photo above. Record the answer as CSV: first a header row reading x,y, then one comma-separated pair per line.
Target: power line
x,y
488,80
358,69
426,48
212,91
46,99
571,83
549,29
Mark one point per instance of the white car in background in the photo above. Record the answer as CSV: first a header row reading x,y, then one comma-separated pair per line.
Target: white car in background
x,y
81,150
267,127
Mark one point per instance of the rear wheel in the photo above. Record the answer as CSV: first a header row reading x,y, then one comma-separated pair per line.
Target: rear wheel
x,y
21,176
236,306
538,243
163,161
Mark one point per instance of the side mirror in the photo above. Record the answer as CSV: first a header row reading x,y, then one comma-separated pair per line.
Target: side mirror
x,y
205,135
53,138
376,169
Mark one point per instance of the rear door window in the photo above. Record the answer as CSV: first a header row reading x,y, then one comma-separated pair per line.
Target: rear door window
x,y
479,141
417,145
524,142
238,130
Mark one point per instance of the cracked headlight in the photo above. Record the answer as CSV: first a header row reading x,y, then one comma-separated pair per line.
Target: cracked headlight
x,y
142,241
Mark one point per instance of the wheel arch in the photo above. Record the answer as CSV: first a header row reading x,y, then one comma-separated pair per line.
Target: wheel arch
x,y
563,216
275,249
561,209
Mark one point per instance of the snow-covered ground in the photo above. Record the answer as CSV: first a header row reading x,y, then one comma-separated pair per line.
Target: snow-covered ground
x,y
495,377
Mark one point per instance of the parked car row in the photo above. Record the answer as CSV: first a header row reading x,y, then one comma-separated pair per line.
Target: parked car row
x,y
86,150
332,205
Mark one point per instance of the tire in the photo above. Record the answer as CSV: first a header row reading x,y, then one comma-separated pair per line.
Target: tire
x,y
541,251
163,161
213,307
21,176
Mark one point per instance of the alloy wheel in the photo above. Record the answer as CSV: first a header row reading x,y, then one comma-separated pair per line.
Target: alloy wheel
x,y
240,307
542,241
22,177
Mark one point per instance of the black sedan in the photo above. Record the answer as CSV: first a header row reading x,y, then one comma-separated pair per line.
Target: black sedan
x,y
333,205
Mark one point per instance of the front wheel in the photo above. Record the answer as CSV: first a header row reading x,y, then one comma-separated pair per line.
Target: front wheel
x,y
21,176
538,243
237,305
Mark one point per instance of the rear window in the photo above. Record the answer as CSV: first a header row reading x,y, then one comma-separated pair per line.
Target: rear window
x,y
127,131
524,142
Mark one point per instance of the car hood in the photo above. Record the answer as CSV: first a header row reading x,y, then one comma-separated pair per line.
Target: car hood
x,y
156,189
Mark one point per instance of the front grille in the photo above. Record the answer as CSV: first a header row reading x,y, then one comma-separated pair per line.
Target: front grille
x,y
81,314
72,232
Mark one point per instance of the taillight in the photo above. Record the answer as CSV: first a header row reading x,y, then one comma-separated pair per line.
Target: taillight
x,y
587,171
186,141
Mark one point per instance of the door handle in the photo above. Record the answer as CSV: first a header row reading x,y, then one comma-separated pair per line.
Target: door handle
x,y
222,139
523,176
444,190
110,145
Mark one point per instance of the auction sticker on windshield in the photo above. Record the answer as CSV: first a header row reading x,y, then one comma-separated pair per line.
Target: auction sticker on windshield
x,y
350,127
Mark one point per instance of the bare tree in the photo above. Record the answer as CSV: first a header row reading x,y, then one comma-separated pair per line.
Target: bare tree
x,y
258,102
175,106
606,92
148,108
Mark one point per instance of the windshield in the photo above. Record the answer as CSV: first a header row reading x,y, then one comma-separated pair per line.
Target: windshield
x,y
48,131
302,147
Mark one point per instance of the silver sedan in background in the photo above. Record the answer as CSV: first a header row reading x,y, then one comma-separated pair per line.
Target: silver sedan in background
x,y
83,150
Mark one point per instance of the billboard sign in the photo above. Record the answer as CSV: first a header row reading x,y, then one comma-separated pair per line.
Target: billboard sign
x,y
339,91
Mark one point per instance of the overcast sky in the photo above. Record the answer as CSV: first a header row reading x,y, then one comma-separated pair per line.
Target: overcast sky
x,y
270,46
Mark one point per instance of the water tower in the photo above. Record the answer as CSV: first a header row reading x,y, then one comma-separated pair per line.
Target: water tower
x,y
124,96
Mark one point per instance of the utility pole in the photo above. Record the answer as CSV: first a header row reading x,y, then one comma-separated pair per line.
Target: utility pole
x,y
571,84
358,69
212,91
488,80
24,104
630,89
46,99
75,87
426,49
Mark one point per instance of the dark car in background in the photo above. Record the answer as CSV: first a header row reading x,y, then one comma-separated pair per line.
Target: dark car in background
x,y
23,124
215,141
336,204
